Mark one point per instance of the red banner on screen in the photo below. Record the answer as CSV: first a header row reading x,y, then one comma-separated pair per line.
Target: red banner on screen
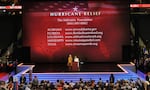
x,y
92,30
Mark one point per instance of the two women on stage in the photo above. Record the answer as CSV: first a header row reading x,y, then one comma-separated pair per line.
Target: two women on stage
x,y
71,60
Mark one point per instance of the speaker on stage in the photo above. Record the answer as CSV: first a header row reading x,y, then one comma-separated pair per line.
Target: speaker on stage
x,y
23,54
126,52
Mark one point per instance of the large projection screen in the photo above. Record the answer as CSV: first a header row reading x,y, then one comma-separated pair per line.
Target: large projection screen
x,y
95,31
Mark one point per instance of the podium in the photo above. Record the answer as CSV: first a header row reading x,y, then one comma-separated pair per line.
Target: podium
x,y
75,66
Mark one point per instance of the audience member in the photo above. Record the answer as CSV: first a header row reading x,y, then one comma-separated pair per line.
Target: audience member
x,y
112,78
148,80
35,82
10,78
148,77
22,79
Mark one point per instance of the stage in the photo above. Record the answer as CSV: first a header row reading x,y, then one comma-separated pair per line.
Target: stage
x,y
53,72
84,67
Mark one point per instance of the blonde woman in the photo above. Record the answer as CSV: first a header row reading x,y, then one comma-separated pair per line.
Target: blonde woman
x,y
70,60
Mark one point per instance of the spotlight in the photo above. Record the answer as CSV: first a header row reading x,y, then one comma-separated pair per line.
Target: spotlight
x,y
4,10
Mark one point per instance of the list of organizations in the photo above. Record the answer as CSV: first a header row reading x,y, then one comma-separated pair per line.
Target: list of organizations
x,y
77,36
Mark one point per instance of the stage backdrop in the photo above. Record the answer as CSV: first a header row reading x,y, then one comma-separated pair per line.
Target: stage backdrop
x,y
95,31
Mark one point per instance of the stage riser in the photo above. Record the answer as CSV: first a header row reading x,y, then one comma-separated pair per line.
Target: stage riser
x,y
85,77
129,73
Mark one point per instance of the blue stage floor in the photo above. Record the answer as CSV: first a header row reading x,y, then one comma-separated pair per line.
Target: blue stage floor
x,y
128,72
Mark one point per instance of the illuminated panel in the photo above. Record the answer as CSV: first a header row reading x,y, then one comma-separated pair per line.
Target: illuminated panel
x,y
10,7
95,31
140,5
